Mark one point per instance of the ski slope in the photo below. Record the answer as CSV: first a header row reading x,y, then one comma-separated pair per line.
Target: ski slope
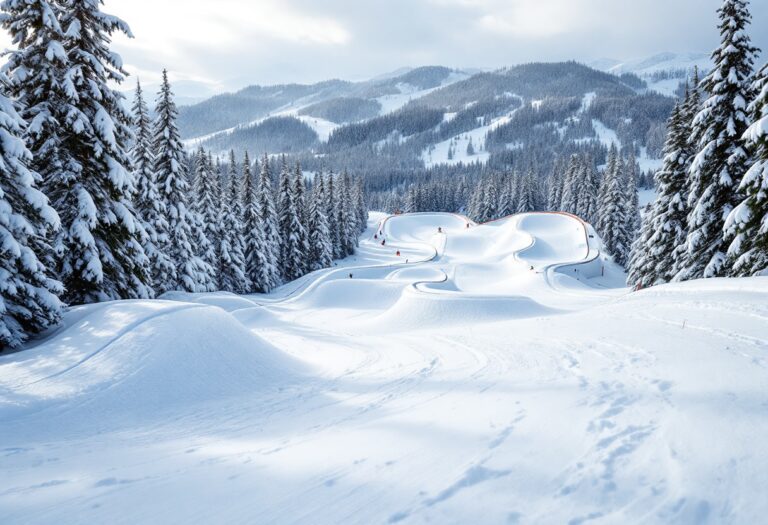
x,y
494,373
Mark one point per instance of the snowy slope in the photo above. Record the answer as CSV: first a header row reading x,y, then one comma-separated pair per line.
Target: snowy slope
x,y
407,92
662,62
488,374
648,68
438,153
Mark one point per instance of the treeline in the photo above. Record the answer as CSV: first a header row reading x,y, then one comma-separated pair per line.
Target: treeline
x,y
285,134
607,198
97,203
711,215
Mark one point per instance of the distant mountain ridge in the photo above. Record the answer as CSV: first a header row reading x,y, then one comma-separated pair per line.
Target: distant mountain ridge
x,y
431,116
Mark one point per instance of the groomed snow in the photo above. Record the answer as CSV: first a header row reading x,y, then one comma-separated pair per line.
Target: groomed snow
x,y
491,373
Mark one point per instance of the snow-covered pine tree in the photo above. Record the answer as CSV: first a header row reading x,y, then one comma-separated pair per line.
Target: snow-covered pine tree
x,y
302,211
29,300
207,209
664,228
587,183
321,251
146,199
191,274
411,204
476,201
270,227
611,164
721,162
361,209
232,266
506,205
345,216
555,187
632,201
330,212
254,249
612,215
291,253
526,201
748,222
98,250
36,69
570,194
488,210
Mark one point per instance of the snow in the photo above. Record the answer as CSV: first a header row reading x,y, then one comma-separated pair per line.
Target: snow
x,y
497,377
407,92
663,62
322,127
586,101
666,87
459,143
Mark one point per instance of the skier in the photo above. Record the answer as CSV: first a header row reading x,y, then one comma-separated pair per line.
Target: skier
x,y
398,253
350,275
439,229
376,236
383,242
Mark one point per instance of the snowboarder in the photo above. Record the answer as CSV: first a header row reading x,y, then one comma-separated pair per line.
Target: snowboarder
x,y
383,242
398,253
376,236
350,275
439,229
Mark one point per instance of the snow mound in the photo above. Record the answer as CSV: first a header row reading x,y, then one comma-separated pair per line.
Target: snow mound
x,y
139,358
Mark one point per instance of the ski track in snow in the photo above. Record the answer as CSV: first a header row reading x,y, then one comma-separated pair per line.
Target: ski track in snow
x,y
501,375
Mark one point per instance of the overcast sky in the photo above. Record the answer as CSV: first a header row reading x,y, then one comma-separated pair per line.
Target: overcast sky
x,y
227,44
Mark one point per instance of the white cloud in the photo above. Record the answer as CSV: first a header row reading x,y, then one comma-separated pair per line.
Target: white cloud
x,y
227,44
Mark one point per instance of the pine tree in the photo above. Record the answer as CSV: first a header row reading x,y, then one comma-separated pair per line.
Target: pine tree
x,y
146,200
191,273
748,222
292,234
488,211
570,193
411,200
555,187
721,162
207,210
321,251
587,183
254,249
612,215
631,200
29,300
232,266
507,205
664,228
302,211
269,225
98,250
345,216
526,201
37,69
358,199
330,212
